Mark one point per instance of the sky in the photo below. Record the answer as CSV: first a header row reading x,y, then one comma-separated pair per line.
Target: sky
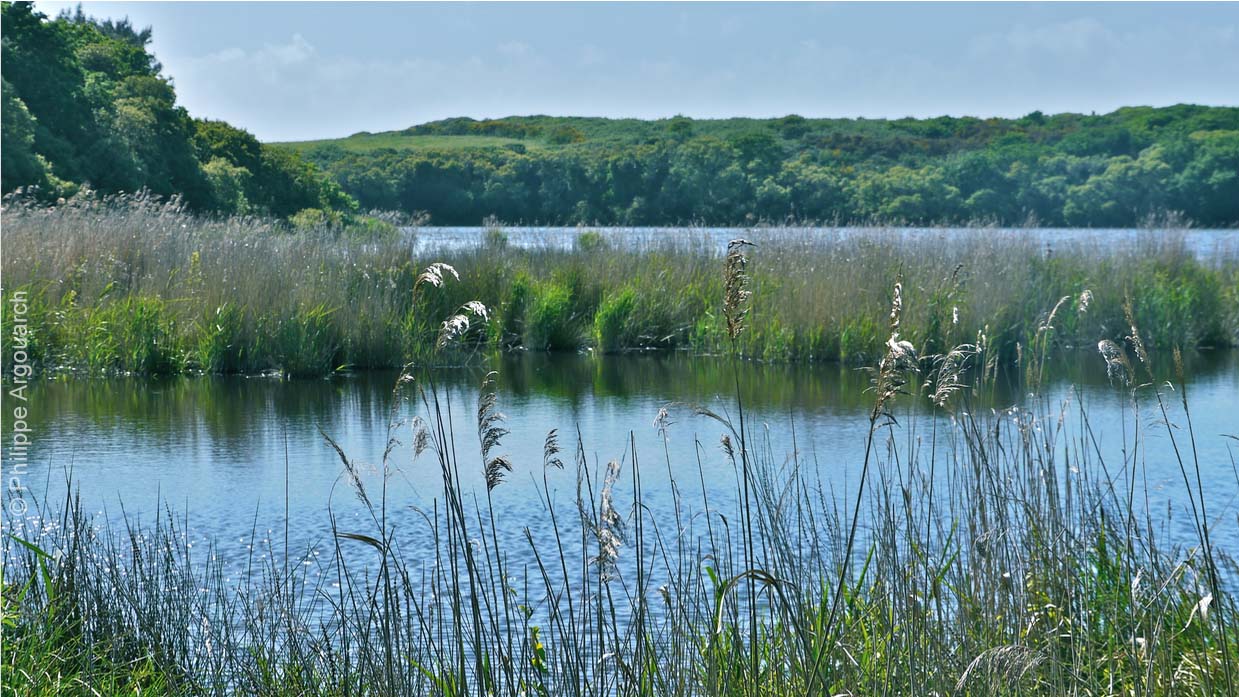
x,y
298,71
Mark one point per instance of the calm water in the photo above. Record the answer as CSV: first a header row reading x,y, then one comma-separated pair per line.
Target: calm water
x,y
224,450
1219,245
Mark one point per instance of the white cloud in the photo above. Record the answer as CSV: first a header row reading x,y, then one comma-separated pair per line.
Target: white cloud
x,y
846,61
1070,39
273,61
514,49
298,51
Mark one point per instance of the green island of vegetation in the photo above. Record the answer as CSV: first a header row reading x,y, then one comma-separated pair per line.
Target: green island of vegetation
x,y
135,285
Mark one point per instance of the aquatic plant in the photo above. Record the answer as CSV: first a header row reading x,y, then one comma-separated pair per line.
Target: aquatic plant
x,y
1016,564
816,297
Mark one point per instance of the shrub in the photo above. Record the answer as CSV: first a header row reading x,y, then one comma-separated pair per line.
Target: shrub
x,y
591,241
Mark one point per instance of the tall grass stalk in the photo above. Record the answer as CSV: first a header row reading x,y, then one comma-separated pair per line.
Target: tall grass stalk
x,y
1005,562
1020,579
132,285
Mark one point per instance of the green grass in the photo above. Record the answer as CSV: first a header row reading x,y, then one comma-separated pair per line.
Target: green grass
x,y
616,132
133,286
1010,564
614,327
398,140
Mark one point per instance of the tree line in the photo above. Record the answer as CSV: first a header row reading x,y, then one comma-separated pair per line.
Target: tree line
x,y
85,104
1097,170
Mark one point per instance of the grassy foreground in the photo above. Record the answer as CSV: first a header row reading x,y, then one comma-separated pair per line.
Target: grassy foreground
x,y
1019,563
137,286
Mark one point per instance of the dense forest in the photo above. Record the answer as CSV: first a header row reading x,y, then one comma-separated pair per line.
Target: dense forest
x,y
1068,169
85,104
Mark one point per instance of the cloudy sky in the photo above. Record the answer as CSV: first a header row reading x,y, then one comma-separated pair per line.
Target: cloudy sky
x,y
291,71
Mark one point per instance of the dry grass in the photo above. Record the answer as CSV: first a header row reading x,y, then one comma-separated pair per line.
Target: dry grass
x,y
241,295
1013,565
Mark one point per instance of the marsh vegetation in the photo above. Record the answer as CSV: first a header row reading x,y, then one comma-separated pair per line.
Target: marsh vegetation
x,y
132,284
1019,559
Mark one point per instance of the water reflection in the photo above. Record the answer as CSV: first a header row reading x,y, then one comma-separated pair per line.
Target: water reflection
x,y
226,449
227,408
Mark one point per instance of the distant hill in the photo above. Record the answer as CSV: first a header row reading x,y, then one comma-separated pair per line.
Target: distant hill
x,y
1066,169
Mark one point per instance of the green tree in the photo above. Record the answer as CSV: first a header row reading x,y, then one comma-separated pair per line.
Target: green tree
x,y
1208,187
20,165
903,194
228,185
84,102
1125,192
41,69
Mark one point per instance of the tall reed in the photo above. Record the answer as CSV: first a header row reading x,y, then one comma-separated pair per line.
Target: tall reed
x,y
1000,559
133,285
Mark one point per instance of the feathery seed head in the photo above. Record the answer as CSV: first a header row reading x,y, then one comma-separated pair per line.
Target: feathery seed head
x,y
458,324
435,274
735,286
610,528
663,421
950,368
1048,323
897,305
891,375
490,432
550,450
1117,365
1136,341
421,436
1086,299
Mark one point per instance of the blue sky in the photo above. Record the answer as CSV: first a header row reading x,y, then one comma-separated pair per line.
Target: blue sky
x,y
290,71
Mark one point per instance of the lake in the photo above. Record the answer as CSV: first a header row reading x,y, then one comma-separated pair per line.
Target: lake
x,y
224,452
1217,245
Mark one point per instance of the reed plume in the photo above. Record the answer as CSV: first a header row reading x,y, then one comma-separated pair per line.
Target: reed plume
x,y
950,368
610,528
891,375
1117,365
350,469
456,326
490,432
421,436
736,293
1136,341
1086,299
551,450
434,275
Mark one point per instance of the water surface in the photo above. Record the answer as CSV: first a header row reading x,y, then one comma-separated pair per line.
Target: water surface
x,y
232,455
1214,245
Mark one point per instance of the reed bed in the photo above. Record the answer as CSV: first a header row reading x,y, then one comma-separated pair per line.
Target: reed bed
x,y
1016,560
134,285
